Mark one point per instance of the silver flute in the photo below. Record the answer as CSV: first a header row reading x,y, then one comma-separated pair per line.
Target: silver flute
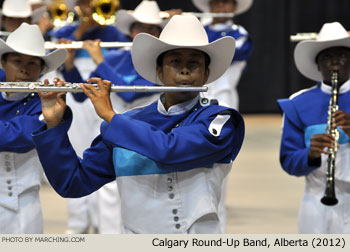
x,y
34,87
303,36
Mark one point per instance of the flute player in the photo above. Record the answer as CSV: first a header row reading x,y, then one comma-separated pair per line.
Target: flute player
x,y
182,146
23,59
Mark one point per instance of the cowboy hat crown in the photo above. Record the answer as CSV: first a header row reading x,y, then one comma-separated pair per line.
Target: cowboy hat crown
x,y
181,32
27,39
146,12
242,5
21,9
305,53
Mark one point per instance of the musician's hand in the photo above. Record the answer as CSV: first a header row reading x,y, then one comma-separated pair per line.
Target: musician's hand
x,y
94,49
100,97
69,62
86,23
342,119
173,12
319,143
53,104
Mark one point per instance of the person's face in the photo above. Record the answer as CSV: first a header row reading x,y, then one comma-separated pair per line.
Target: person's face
x,y
222,6
138,27
182,67
20,67
10,23
334,59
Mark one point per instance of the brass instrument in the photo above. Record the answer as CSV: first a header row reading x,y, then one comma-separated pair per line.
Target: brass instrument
x,y
60,13
329,197
79,44
104,11
34,87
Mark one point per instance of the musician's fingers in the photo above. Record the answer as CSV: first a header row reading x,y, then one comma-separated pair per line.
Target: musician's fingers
x,y
108,85
87,90
100,83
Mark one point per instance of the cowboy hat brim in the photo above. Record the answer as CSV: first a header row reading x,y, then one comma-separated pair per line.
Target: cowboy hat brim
x,y
52,60
242,5
124,20
305,55
146,49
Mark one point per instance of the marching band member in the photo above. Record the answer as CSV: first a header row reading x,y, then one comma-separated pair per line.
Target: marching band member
x,y
304,142
169,157
23,58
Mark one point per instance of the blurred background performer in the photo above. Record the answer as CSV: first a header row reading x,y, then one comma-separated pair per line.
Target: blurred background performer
x,y
23,58
225,88
13,14
304,140
45,22
82,212
117,67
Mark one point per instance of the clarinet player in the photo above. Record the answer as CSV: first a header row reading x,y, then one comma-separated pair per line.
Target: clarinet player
x,y
305,145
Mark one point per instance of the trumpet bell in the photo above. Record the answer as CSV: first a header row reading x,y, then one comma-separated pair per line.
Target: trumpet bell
x,y
60,13
104,11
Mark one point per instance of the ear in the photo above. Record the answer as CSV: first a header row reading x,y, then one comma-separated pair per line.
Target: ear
x,y
3,62
159,71
206,74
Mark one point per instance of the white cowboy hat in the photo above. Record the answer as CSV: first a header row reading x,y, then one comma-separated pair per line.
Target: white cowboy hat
x,y
242,5
27,39
181,32
21,9
146,12
331,35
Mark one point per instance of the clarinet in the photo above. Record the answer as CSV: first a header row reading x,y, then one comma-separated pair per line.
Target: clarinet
x,y
329,197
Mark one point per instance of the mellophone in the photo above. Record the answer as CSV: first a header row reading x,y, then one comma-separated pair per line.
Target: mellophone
x,y
34,87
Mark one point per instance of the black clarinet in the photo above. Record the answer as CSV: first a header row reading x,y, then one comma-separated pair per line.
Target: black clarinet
x,y
329,197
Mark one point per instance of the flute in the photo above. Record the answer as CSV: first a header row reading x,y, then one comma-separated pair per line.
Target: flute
x,y
164,14
79,44
304,36
34,87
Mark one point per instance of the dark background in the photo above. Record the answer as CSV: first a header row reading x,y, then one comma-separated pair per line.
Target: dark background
x,y
271,72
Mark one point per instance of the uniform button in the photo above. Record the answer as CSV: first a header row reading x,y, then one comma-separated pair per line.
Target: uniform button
x,y
177,226
10,194
8,169
171,195
170,188
7,156
170,180
17,112
223,34
24,103
7,163
176,126
176,218
8,181
10,188
195,109
174,211
32,94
